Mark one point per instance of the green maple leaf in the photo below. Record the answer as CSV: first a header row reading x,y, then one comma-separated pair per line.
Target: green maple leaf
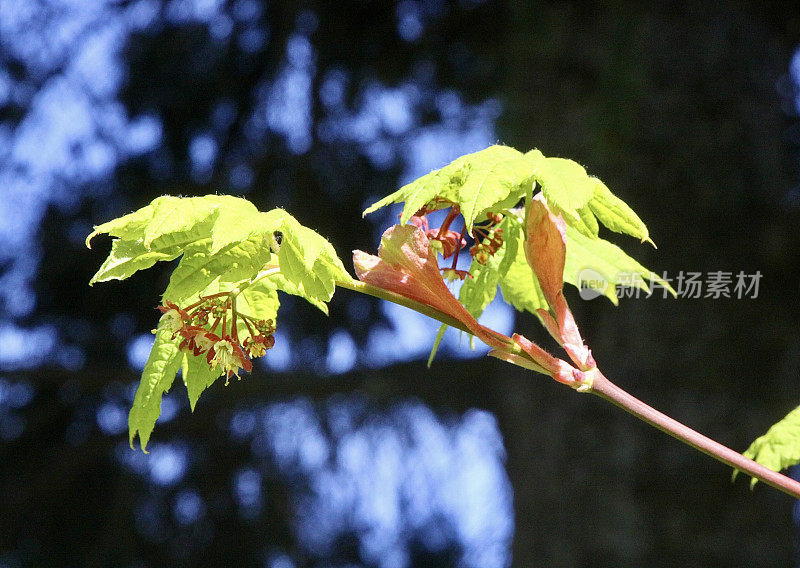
x,y
224,244
201,272
608,260
308,262
565,184
197,376
497,178
489,180
157,378
128,257
222,238
615,214
582,199
779,448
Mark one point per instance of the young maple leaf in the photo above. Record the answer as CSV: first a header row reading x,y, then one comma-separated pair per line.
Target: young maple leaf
x,y
407,265
545,250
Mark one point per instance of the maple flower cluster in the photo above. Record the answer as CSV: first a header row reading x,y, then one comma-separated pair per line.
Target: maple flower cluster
x,y
488,237
209,326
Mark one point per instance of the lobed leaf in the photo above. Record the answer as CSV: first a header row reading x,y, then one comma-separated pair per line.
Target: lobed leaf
x,y
224,243
608,260
127,227
200,270
779,448
308,262
565,184
615,214
496,178
478,182
127,257
157,377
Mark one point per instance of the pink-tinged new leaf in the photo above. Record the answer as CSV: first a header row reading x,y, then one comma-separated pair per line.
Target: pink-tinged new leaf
x,y
406,265
545,250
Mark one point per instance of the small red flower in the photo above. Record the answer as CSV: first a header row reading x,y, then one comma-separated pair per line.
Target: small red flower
x,y
174,317
257,346
227,354
196,339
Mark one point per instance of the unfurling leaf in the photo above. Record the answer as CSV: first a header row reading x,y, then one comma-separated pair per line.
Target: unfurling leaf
x,y
406,265
545,249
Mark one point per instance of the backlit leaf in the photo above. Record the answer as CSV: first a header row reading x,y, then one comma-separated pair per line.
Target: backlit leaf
x,y
177,220
197,375
566,186
128,227
308,261
779,448
127,257
477,183
157,377
199,268
607,260
616,214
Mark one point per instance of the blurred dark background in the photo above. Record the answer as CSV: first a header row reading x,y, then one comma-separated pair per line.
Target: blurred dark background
x,y
342,450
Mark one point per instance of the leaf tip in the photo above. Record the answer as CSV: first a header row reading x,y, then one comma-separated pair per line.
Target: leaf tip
x,y
142,441
429,363
89,238
370,209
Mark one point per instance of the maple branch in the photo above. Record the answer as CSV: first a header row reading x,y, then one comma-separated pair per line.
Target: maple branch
x,y
612,393
607,390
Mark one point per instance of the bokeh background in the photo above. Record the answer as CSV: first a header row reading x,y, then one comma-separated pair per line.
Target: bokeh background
x,y
342,450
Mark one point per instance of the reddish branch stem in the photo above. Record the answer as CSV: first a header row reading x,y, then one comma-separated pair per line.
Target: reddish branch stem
x,y
611,392
604,388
